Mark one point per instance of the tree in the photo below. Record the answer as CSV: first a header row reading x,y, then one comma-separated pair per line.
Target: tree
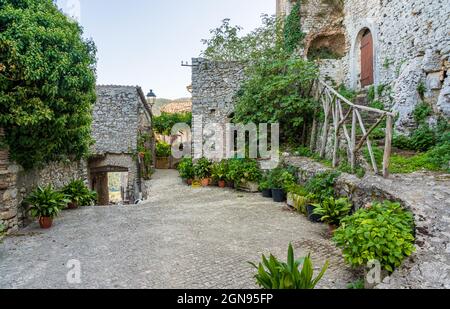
x,y
47,83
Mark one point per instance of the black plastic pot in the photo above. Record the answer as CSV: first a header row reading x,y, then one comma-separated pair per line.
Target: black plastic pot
x,y
311,216
278,195
267,193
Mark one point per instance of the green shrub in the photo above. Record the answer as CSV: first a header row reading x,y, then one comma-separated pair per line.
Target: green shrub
x,y
422,112
281,178
423,139
242,170
202,169
163,150
384,232
439,157
303,151
77,192
186,168
322,185
47,83
219,170
332,210
163,124
273,274
46,202
356,285
405,165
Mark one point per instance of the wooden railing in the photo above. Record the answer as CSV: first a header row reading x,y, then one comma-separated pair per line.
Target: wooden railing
x,y
340,111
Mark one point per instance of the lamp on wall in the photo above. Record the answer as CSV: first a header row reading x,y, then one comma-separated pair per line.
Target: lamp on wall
x,y
151,97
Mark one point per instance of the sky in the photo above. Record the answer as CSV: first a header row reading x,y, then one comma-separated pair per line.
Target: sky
x,y
142,42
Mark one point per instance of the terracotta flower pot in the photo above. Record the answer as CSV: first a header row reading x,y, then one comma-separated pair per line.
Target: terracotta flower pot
x,y
332,228
45,222
189,182
205,182
72,205
222,184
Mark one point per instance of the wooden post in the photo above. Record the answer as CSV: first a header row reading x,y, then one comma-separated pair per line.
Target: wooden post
x,y
387,146
327,109
353,145
369,144
336,132
312,144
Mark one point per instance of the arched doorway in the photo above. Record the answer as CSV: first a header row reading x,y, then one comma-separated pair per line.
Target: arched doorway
x,y
367,59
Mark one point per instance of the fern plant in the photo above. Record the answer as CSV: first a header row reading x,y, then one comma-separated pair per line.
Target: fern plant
x,y
79,194
333,210
46,202
273,274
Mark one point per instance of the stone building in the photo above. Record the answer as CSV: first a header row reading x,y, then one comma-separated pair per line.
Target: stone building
x,y
398,46
121,115
214,85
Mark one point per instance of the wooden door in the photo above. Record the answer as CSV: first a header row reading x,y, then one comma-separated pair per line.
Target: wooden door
x,y
367,60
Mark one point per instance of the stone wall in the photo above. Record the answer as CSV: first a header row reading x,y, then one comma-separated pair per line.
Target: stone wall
x,y
214,86
411,47
16,184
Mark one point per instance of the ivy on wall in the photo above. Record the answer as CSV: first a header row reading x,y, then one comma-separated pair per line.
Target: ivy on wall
x,y
293,34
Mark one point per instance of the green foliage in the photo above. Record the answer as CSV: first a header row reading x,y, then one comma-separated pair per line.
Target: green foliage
x,y
281,178
47,83
356,285
322,52
347,93
273,274
77,192
377,104
439,156
278,91
303,151
322,185
332,210
405,165
384,232
242,170
421,89
226,44
46,202
219,170
202,169
186,168
293,34
422,112
144,150
163,124
163,150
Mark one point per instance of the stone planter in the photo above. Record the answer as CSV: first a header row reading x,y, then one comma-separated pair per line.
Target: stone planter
x,y
162,163
249,186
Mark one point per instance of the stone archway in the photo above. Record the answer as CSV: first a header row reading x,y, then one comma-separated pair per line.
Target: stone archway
x,y
363,57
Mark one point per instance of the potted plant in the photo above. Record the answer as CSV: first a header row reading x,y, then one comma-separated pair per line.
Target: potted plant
x,y
280,179
297,198
163,152
219,172
186,170
79,194
332,211
202,170
45,204
250,175
233,175
265,187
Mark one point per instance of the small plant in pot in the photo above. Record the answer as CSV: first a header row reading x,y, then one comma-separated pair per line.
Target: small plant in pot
x,y
219,173
202,170
251,175
45,204
265,187
79,194
163,152
186,170
280,180
332,211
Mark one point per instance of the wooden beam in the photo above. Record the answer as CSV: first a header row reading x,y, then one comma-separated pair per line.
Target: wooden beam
x,y
361,143
369,144
387,146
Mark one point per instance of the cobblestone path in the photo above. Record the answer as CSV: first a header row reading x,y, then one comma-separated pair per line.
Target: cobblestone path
x,y
180,238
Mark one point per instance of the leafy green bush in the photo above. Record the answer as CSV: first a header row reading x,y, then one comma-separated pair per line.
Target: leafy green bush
x,y
439,157
77,192
281,178
202,169
356,285
47,83
219,170
322,185
242,170
384,232
333,210
163,150
186,168
273,274
293,34
163,124
46,202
